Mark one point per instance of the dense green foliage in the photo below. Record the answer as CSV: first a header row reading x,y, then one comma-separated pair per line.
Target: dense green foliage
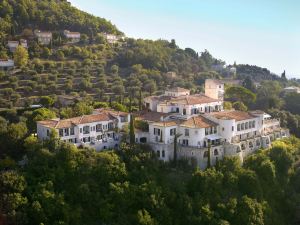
x,y
55,15
59,184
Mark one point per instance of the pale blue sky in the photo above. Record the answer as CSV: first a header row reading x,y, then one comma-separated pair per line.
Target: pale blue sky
x,y
258,32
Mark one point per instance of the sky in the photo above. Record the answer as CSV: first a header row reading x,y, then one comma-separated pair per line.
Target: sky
x,y
265,33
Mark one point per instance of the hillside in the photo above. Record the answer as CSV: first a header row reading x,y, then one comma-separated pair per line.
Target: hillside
x,y
123,71
50,15
53,182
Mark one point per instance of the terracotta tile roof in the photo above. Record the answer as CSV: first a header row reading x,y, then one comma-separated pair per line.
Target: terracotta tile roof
x,y
112,112
178,89
159,98
233,115
193,99
56,123
48,123
150,116
166,123
96,118
198,122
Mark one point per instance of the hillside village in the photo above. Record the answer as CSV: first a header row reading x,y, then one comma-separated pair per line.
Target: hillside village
x,y
176,125
100,128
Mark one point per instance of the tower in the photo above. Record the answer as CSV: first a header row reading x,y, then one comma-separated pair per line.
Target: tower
x,y
214,89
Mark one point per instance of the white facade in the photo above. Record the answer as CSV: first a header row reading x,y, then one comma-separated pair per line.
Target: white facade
x,y
179,100
176,92
292,89
74,37
199,122
12,45
7,63
44,38
112,38
214,89
99,131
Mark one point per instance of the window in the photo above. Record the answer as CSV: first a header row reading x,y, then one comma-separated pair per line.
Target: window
x,y
158,153
257,142
253,124
99,127
86,129
185,142
242,126
110,125
156,131
172,132
80,130
72,131
216,152
123,119
239,127
205,154
48,133
186,132
223,128
206,131
250,144
61,132
184,112
232,128
163,153
246,125
243,146
215,130
66,131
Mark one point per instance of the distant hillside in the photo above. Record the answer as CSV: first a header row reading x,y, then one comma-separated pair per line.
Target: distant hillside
x,y
255,72
15,15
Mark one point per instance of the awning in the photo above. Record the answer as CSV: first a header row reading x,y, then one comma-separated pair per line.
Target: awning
x,y
266,116
213,137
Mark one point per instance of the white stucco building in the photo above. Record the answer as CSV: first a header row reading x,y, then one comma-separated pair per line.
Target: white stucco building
x,y
73,37
12,45
199,121
44,38
6,64
229,133
179,100
101,130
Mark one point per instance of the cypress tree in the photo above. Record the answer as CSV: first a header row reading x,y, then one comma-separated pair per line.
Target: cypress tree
x,y
131,130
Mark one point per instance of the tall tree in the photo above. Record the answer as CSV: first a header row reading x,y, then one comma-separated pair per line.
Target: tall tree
x,y
21,56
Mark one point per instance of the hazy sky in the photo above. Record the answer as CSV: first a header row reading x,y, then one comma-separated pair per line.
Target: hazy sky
x,y
258,32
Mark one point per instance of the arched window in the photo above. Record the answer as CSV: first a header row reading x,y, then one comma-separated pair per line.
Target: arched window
x,y
243,146
216,152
